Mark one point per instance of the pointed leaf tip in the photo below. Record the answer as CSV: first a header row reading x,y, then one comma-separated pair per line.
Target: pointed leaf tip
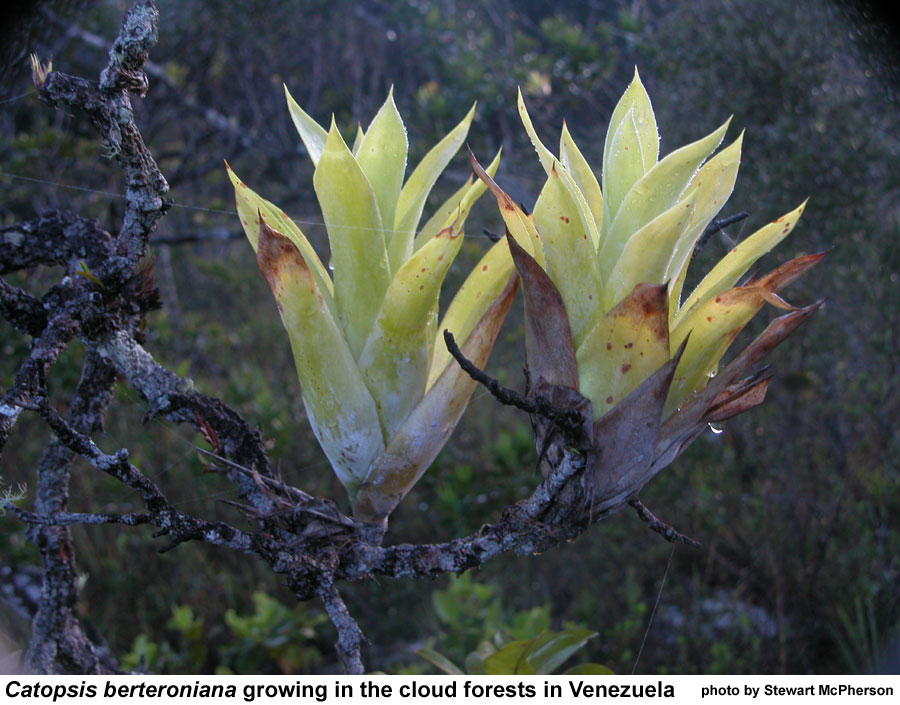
x,y
518,224
736,401
311,133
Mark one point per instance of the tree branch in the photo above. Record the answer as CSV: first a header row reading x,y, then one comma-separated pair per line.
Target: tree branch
x,y
660,527
567,419
55,237
23,311
350,636
45,349
715,226
59,644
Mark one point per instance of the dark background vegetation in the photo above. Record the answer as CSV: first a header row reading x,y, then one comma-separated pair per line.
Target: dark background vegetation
x,y
797,503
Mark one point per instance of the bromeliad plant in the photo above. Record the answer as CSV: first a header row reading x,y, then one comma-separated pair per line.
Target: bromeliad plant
x,y
602,264
382,398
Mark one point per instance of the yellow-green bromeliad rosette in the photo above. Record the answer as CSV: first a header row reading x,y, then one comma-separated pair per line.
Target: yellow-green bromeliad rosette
x,y
381,396
602,264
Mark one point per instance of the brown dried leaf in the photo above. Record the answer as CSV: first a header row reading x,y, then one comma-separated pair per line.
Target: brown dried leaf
x,y
625,438
684,426
790,271
716,322
737,399
548,340
209,433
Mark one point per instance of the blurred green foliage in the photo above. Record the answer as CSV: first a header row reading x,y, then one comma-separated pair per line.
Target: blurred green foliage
x,y
273,639
475,630
797,504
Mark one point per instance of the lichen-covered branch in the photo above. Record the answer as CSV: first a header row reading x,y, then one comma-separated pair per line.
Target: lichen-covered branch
x,y
660,527
176,400
350,636
59,644
55,237
22,310
45,349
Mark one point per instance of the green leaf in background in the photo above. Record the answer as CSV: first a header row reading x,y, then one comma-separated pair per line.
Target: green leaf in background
x,y
441,661
552,649
511,660
588,669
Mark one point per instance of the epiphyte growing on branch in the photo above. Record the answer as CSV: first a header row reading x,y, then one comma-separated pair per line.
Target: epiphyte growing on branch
x,y
382,398
603,262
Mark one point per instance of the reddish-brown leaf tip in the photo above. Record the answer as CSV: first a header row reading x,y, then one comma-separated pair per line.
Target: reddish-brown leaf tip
x,y
276,255
738,398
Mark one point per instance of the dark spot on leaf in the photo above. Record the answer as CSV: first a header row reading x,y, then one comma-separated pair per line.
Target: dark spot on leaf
x,y
628,346
625,368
